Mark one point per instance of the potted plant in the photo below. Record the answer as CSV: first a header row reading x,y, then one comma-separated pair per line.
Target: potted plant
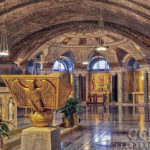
x,y
71,111
4,129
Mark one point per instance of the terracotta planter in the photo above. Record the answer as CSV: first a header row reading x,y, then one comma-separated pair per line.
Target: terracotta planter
x,y
72,122
75,119
67,123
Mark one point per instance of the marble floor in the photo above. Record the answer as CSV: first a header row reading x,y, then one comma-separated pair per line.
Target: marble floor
x,y
107,128
111,128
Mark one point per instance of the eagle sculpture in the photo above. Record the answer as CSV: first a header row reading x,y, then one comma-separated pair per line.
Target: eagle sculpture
x,y
39,92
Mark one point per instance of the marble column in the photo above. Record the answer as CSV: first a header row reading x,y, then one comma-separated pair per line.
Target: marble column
x,y
134,82
87,86
114,97
78,74
77,86
146,87
112,80
125,92
120,87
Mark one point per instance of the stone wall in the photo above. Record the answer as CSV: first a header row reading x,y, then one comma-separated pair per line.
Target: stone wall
x,y
8,107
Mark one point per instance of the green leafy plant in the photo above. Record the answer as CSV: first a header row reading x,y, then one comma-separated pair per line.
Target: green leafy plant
x,y
4,129
71,107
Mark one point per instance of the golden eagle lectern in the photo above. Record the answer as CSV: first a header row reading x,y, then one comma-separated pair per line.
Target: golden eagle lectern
x,y
39,92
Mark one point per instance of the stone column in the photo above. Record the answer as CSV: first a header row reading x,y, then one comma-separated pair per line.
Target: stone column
x,y
148,87
120,87
77,86
134,82
124,87
77,82
145,86
114,95
87,86
112,80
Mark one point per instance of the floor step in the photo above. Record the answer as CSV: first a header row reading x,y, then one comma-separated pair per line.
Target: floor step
x,y
14,140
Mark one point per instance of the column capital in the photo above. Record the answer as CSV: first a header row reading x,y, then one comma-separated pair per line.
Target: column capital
x,y
82,72
113,73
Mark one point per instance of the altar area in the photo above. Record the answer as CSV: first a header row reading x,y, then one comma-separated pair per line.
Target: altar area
x,y
99,88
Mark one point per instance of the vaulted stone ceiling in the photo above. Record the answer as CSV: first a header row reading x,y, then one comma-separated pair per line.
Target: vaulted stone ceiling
x,y
33,25
81,43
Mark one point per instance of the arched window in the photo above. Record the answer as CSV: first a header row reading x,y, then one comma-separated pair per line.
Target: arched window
x,y
99,65
59,66
69,61
65,63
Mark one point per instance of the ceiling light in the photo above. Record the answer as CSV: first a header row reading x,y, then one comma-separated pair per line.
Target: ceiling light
x,y
101,48
4,53
85,63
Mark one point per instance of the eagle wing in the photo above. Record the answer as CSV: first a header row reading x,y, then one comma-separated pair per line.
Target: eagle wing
x,y
34,99
48,93
19,93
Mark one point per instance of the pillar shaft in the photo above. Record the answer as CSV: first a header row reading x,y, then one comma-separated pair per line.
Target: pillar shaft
x,y
146,87
77,86
120,87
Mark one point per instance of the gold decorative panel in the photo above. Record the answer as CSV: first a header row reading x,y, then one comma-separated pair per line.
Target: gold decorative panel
x,y
40,92
52,90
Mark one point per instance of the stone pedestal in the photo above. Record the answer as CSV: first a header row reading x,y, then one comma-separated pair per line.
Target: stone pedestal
x,y
41,138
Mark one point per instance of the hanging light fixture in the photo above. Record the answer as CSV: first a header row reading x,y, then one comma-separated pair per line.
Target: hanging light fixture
x,y
101,46
4,38
3,42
